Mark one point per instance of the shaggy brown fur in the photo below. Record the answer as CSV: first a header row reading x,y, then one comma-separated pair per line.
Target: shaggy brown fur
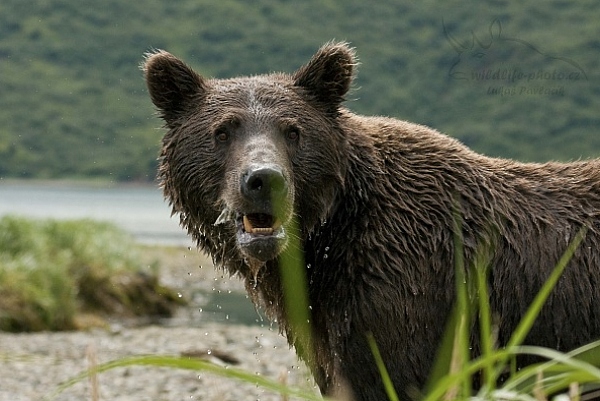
x,y
374,198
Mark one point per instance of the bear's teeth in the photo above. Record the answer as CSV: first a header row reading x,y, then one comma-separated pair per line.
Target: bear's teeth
x,y
249,228
247,225
263,230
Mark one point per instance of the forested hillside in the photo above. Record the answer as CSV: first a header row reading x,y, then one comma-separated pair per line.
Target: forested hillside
x,y
510,79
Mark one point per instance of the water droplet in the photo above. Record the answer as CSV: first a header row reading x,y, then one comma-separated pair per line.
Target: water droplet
x,y
199,309
209,352
325,256
326,248
180,295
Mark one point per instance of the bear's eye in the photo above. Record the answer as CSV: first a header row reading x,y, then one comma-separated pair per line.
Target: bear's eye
x,y
293,133
222,135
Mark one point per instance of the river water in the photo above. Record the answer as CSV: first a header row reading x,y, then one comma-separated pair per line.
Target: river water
x,y
139,209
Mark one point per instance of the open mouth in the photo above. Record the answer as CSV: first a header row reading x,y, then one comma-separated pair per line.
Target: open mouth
x,y
260,224
260,236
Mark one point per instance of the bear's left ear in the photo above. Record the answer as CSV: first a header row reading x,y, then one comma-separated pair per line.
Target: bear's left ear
x,y
328,75
175,89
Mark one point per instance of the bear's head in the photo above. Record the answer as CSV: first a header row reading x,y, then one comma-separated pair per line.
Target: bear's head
x,y
245,158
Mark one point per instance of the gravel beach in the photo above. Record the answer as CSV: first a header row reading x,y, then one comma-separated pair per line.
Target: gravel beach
x,y
33,365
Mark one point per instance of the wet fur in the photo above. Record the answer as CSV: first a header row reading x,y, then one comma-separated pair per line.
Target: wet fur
x,y
375,199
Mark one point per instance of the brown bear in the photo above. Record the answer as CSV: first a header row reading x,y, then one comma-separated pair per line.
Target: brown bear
x,y
375,201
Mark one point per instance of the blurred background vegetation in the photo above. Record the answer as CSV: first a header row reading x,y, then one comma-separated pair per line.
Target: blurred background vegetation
x,y
64,275
74,104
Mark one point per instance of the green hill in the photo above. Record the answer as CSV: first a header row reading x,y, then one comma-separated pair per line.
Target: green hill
x,y
73,102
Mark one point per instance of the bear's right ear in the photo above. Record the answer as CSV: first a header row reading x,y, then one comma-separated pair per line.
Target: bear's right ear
x,y
328,75
173,86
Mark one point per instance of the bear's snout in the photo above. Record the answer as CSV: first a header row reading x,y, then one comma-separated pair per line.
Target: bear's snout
x,y
263,211
264,184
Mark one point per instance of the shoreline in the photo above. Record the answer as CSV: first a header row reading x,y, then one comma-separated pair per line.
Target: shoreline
x,y
138,209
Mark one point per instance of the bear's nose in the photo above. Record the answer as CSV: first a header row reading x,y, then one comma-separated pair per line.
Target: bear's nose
x,y
264,184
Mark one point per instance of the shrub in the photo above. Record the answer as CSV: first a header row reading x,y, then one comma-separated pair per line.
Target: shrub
x,y
52,271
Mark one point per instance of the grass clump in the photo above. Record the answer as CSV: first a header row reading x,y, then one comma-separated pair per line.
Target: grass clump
x,y
53,273
573,375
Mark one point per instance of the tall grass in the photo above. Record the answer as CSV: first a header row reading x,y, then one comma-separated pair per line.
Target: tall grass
x,y
455,370
51,271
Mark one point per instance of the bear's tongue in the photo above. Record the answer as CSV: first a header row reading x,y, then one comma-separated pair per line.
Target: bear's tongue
x,y
260,223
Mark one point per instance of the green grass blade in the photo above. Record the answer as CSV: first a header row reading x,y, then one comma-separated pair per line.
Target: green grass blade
x,y
440,388
186,363
534,309
524,326
443,360
454,353
561,369
295,293
461,353
387,381
485,315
